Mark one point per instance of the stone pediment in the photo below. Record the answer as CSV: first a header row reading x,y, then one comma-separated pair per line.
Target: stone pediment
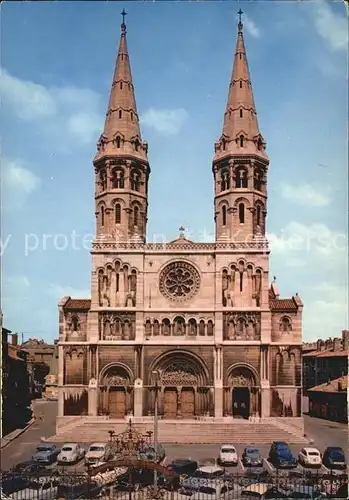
x,y
181,241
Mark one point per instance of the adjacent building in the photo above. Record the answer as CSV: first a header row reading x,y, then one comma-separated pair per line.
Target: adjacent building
x,y
15,390
199,321
40,355
330,400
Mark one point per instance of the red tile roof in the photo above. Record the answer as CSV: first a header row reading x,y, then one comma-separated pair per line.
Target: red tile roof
x,y
333,354
282,304
337,385
80,304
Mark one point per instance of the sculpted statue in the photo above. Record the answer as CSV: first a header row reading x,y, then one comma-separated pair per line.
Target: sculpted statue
x,y
250,330
100,287
231,329
107,329
147,328
225,286
232,279
131,289
106,290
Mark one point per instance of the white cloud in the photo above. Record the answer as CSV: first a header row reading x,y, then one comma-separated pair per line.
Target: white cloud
x,y
332,27
251,27
17,183
165,121
71,112
304,194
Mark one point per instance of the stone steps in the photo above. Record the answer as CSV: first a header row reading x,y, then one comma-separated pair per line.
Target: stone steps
x,y
179,432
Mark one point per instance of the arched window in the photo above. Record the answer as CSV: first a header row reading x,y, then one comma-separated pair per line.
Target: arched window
x,y
258,180
75,324
136,145
258,215
224,215
118,142
135,181
117,213
118,181
103,180
241,141
241,178
225,184
120,113
240,113
135,216
121,85
102,215
131,116
241,213
240,83
224,144
285,324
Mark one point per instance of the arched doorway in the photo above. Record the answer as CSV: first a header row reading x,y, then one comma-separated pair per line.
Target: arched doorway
x,y
183,386
116,392
242,393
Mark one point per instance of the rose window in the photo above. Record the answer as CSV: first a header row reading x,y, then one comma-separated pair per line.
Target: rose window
x,y
179,281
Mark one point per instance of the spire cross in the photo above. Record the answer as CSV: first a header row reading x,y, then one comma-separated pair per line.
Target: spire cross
x,y
240,14
181,230
123,13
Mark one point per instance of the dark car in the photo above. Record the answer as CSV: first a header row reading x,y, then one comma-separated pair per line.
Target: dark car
x,y
334,458
75,491
281,456
29,467
46,453
12,482
251,457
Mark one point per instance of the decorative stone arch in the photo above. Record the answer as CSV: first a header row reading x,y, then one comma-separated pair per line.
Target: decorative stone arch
x,y
189,360
285,324
223,202
243,369
165,326
116,381
243,200
192,326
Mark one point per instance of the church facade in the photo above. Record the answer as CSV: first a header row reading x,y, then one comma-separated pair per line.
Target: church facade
x,y
197,323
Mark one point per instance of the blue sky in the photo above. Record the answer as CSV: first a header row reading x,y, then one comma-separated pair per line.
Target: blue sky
x,y
57,64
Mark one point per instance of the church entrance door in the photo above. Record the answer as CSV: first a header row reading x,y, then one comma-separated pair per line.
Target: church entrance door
x,y
170,403
117,402
188,403
241,402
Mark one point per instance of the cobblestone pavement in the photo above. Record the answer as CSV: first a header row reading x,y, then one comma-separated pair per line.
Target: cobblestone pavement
x,y
323,432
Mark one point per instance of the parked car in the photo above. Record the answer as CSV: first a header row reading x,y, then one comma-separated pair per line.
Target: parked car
x,y
201,476
36,491
310,457
97,454
261,491
46,453
150,454
183,467
215,490
281,456
251,457
77,491
228,455
70,453
29,467
334,458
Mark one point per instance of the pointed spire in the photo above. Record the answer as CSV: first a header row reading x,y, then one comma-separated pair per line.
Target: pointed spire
x,y
240,133
121,133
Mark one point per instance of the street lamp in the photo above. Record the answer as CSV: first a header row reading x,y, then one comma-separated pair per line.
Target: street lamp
x,y
157,375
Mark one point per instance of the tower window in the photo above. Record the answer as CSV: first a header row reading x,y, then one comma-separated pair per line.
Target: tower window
x,y
136,145
121,85
102,215
135,183
224,144
120,113
103,180
117,213
258,181
240,113
118,142
224,215
118,179
135,216
131,116
240,84
225,184
241,178
240,55
258,216
241,213
241,141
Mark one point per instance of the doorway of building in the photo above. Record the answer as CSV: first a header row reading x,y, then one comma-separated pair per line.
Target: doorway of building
x,y
117,402
170,403
241,402
188,403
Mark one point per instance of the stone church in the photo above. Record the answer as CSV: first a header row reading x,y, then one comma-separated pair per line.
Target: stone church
x,y
198,324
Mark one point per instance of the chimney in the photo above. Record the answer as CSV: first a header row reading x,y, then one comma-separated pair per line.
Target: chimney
x,y
328,343
318,345
14,339
337,344
345,340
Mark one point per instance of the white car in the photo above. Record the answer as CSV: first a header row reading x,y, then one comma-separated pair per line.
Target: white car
x,y
97,454
215,490
228,455
310,456
70,453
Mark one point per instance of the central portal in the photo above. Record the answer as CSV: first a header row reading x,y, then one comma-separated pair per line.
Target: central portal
x,y
241,402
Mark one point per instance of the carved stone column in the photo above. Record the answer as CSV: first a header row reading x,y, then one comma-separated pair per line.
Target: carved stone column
x,y
179,402
60,411
218,382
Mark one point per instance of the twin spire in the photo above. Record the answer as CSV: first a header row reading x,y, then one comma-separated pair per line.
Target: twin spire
x,y
240,135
